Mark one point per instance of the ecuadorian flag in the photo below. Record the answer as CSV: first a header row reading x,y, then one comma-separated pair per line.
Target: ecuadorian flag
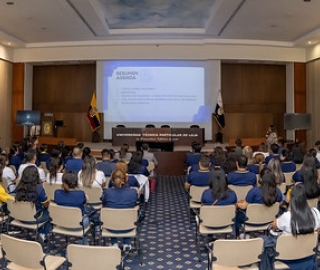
x,y
219,112
93,114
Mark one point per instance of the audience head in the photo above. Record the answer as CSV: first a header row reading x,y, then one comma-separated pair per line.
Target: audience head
x,y
86,151
231,162
282,142
77,152
302,221
3,164
204,161
262,148
248,152
313,152
238,142
27,187
274,148
134,165
275,167
56,165
80,145
285,155
43,147
317,145
55,153
88,172
145,147
121,165
69,181
242,161
124,150
196,147
219,155
218,184
259,158
119,178
31,156
268,187
106,155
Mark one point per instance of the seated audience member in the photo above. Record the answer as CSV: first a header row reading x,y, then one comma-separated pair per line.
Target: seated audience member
x,y
55,153
282,143
43,155
132,179
106,165
242,177
74,164
70,196
308,161
266,192
274,148
287,165
86,151
218,158
66,154
298,152
299,219
31,158
8,173
252,166
135,165
310,181
262,149
317,147
4,196
231,163
29,189
218,193
55,171
313,152
238,149
148,155
14,157
200,177
89,176
275,167
194,155
119,196
123,154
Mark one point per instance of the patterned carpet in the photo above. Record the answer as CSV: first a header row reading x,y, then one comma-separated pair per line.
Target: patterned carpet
x,y
166,239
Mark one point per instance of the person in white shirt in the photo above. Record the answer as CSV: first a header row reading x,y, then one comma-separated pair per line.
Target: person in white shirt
x,y
55,171
8,173
31,158
89,176
317,147
147,155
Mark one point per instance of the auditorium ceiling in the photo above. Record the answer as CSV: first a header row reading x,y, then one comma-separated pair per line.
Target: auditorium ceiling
x,y
45,23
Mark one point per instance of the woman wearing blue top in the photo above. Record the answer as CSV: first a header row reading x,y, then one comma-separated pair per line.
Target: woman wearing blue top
x,y
308,161
120,196
135,165
70,196
30,189
265,193
218,193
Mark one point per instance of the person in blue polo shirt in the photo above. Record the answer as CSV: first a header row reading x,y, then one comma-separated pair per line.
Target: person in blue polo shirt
x,y
74,164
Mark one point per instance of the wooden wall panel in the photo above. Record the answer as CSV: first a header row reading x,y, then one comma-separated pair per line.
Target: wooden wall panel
x,y
66,92
17,99
254,96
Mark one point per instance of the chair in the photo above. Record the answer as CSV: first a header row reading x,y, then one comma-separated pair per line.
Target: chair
x,y
43,166
290,248
6,185
194,197
283,187
151,166
94,194
93,257
120,126
313,202
214,219
241,191
21,212
121,219
106,185
24,254
231,254
50,189
67,221
260,216
150,126
194,126
288,177
165,126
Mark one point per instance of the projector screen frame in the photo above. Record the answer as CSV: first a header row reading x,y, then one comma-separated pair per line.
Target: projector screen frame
x,y
297,121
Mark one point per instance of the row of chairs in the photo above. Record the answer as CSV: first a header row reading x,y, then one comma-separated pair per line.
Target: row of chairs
x,y
24,254
247,253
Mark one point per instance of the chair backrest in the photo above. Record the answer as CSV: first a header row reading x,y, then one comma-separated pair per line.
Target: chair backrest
x,y
288,177
118,218
24,253
65,216
81,257
22,211
94,194
237,252
150,126
151,166
261,214
43,166
283,187
50,189
106,185
217,215
194,126
241,191
4,184
165,126
289,247
196,193
313,202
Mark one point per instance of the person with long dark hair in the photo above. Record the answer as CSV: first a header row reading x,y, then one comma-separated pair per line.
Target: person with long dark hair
x,y
89,176
218,193
135,165
308,161
266,192
8,173
56,169
30,189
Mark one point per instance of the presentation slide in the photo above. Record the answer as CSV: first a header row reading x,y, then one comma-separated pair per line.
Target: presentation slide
x,y
136,93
